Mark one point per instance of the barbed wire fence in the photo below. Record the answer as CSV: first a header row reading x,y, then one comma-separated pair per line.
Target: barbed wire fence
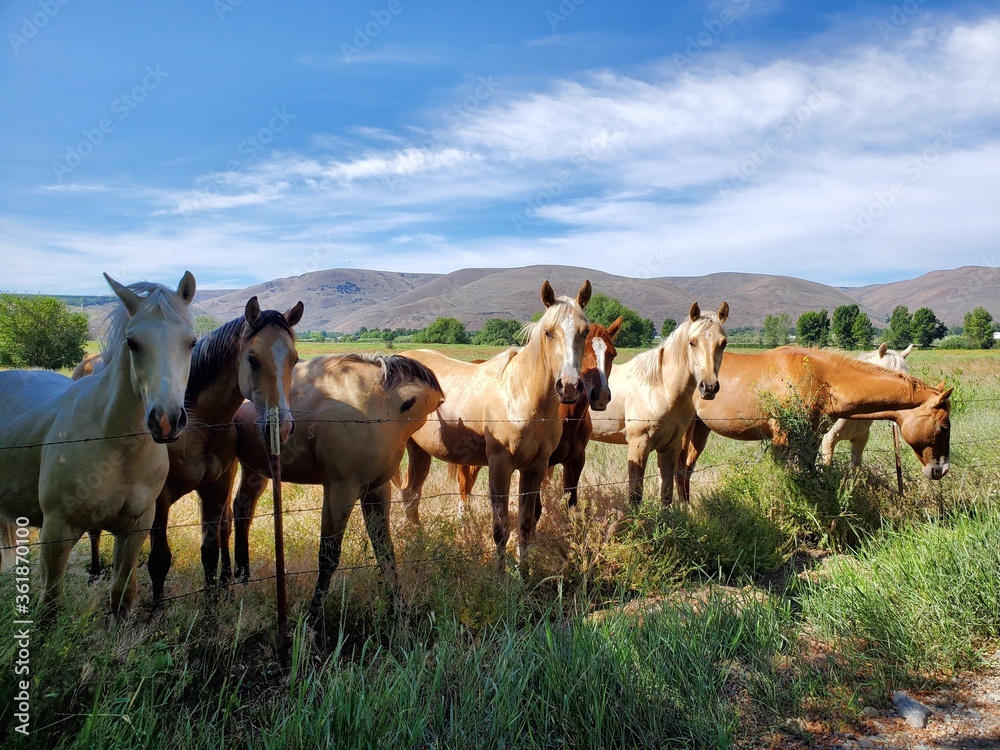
x,y
315,417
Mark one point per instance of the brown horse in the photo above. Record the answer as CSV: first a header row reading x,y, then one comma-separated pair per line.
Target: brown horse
x,y
857,430
354,414
249,357
651,396
89,454
504,413
826,384
598,356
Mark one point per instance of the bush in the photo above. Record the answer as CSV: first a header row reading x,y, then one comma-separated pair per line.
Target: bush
x,y
38,331
443,331
953,342
498,332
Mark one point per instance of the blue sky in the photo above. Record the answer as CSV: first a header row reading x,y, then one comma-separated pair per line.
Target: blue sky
x,y
850,144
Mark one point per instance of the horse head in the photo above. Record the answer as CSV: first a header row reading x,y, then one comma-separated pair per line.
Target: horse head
x,y
598,356
706,341
927,429
267,358
560,334
154,328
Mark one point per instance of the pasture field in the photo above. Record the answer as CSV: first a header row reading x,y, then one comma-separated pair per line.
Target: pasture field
x,y
781,603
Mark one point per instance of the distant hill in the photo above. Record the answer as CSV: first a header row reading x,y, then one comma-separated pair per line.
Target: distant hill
x,y
950,294
344,300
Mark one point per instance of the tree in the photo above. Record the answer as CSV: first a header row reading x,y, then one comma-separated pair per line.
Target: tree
x,y
498,332
863,331
668,327
636,331
443,331
777,329
926,327
40,332
899,335
843,325
205,324
814,328
978,326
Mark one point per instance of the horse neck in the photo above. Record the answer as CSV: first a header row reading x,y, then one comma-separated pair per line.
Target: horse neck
x,y
123,410
577,410
861,390
675,369
529,373
216,399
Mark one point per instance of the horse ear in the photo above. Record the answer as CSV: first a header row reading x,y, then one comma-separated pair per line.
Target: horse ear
x,y
944,396
695,312
293,316
883,348
252,311
130,299
548,296
940,386
906,351
615,327
583,296
723,312
185,289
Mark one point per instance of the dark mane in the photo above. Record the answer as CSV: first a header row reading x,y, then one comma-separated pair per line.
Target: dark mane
x,y
396,368
217,350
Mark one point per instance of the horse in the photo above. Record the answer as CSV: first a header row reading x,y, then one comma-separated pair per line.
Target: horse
x,y
86,454
88,366
250,357
828,384
354,414
599,354
504,414
857,430
652,397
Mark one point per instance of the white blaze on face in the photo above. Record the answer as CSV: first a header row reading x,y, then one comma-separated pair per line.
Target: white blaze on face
x,y
569,366
600,352
280,352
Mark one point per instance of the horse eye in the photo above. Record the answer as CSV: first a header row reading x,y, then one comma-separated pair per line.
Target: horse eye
x,y
692,342
132,344
253,361
192,343
548,334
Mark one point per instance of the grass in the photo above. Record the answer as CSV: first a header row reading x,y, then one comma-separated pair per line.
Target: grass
x,y
662,627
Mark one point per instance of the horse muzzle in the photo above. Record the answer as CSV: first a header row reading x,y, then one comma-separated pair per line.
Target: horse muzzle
x,y
708,390
568,390
599,398
937,469
166,426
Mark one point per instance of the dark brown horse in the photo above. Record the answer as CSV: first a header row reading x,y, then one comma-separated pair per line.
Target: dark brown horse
x,y
249,357
598,356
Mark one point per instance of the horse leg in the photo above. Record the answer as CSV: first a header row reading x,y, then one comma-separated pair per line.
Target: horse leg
x,y
692,445
337,507
572,471
159,548
638,454
128,544
57,540
375,510
252,486
858,443
95,553
501,469
529,503
666,461
467,476
418,466
216,525
833,436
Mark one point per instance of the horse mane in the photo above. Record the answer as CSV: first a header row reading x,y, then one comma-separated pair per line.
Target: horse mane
x,y
395,368
216,350
646,365
116,322
891,360
904,377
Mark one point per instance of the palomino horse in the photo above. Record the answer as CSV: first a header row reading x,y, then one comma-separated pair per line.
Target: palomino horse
x,y
354,414
857,430
250,357
598,356
504,413
89,454
652,396
826,384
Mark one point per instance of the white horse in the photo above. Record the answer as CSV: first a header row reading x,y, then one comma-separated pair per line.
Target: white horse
x,y
89,454
856,430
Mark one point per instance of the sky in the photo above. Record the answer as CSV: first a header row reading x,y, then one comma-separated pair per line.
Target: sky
x,y
844,142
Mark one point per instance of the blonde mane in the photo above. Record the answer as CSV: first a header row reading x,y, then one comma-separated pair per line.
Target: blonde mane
x,y
155,296
646,366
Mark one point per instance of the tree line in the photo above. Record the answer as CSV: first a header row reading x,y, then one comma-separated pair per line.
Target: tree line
x,y
41,331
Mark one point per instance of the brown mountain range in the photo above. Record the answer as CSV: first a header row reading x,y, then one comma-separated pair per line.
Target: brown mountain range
x,y
346,299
